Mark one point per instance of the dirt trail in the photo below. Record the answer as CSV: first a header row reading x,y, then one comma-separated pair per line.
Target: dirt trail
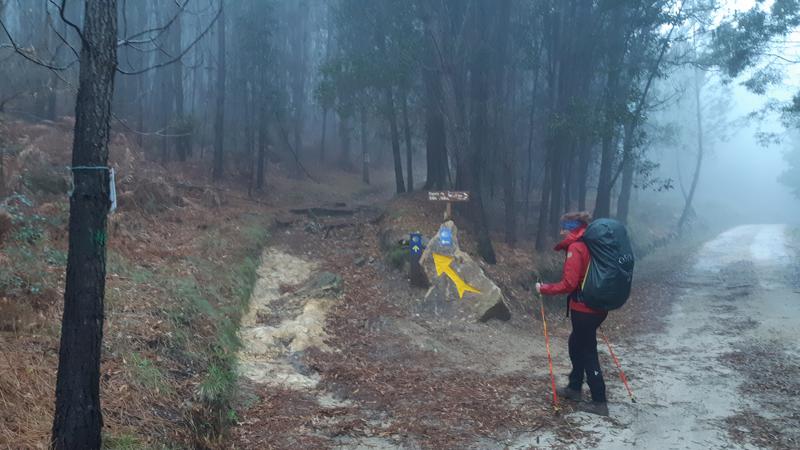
x,y
263,359
723,373
367,370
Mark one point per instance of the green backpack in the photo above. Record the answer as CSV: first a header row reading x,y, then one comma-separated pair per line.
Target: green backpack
x,y
607,284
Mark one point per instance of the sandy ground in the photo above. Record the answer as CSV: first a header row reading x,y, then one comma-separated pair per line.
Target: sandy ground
x,y
724,372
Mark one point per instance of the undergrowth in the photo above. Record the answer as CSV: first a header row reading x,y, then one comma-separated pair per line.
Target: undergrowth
x,y
204,311
199,300
31,281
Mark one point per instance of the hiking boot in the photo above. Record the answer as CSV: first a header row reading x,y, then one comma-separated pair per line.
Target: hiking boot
x,y
569,393
599,408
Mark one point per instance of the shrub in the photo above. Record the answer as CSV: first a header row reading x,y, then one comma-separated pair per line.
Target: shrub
x,y
397,257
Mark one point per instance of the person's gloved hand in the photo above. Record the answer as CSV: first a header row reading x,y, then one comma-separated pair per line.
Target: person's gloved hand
x,y
538,288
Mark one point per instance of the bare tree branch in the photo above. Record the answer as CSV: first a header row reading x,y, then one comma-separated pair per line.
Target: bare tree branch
x,y
182,53
63,39
30,56
63,15
161,29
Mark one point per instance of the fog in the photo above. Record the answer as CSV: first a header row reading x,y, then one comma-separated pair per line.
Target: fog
x,y
741,176
330,223
537,108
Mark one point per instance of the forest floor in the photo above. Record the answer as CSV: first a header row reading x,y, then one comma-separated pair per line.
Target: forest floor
x,y
303,292
388,376
705,340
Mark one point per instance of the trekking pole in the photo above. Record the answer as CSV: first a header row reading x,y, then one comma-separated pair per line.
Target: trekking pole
x,y
621,372
549,358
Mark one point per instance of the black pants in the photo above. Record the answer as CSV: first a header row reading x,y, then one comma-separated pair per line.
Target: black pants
x,y
583,354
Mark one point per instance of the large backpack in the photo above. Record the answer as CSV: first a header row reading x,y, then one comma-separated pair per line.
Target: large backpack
x,y
607,284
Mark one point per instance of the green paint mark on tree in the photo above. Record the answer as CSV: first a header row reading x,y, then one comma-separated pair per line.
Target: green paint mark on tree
x,y
100,238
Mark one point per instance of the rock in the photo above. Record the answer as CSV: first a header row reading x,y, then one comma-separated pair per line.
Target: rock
x,y
323,284
360,261
445,297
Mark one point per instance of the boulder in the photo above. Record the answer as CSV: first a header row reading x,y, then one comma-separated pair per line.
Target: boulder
x,y
459,287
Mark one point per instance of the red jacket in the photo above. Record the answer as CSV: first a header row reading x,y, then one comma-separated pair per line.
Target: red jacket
x,y
575,266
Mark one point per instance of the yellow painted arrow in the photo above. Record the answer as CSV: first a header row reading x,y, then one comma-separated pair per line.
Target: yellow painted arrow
x,y
442,264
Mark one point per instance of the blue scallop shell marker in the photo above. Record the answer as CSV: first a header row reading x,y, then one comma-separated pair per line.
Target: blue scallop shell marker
x,y
445,237
416,244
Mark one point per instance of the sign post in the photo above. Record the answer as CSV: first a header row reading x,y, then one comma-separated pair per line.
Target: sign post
x,y
449,197
415,247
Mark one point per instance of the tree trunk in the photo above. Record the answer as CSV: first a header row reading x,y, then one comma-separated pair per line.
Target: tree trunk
x,y
584,160
544,207
163,103
344,136
509,195
249,128
398,164
52,91
435,136
531,133
299,50
263,140
687,209
407,133
602,206
435,151
612,105
183,141
324,129
479,132
623,202
219,121
364,148
78,421
556,189
503,81
568,172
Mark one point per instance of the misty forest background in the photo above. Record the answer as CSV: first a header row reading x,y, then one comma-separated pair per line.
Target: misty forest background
x,y
535,107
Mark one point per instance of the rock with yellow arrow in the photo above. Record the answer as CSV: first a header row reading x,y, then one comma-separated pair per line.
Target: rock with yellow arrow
x,y
442,264
459,287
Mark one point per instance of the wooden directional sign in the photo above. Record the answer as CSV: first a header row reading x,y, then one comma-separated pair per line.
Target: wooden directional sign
x,y
448,196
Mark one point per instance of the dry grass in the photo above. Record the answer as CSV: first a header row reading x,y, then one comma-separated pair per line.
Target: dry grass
x,y
178,278
159,339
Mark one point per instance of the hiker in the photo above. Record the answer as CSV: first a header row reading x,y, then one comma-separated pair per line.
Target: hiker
x,y
585,320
